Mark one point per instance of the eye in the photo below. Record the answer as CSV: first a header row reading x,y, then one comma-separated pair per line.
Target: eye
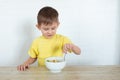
x,y
46,29
53,28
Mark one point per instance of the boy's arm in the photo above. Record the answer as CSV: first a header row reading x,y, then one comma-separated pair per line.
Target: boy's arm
x,y
29,61
76,49
26,64
71,47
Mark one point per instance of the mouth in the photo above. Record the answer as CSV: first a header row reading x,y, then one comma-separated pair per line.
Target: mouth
x,y
49,36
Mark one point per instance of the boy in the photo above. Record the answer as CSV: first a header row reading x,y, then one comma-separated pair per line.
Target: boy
x,y
49,43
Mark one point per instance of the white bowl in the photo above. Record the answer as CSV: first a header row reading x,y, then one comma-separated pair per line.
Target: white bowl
x,y
55,67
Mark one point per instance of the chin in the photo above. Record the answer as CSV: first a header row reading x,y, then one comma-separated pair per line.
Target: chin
x,y
48,37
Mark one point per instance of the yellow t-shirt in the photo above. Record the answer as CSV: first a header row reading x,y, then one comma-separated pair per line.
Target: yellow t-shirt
x,y
42,48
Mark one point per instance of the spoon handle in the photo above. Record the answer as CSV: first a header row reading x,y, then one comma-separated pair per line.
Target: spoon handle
x,y
64,56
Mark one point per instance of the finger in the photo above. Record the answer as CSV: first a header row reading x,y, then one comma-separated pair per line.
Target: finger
x,y
27,66
24,68
70,47
21,68
64,51
18,67
67,47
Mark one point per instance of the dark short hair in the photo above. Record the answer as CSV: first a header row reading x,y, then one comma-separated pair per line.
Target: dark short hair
x,y
47,15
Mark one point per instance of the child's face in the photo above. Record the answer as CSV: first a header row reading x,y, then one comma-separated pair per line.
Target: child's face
x,y
48,31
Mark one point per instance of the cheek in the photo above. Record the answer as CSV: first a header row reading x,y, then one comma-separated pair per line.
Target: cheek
x,y
55,31
43,32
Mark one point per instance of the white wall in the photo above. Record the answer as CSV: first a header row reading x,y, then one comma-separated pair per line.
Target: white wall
x,y
119,33
93,25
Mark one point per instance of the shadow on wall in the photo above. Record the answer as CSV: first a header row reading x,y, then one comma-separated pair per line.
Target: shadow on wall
x,y
25,37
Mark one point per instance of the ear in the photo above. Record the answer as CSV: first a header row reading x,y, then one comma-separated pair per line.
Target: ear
x,y
38,26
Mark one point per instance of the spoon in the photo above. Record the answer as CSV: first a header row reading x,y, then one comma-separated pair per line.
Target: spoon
x,y
64,56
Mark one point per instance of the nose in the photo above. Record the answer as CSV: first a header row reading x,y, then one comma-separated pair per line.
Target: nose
x,y
49,31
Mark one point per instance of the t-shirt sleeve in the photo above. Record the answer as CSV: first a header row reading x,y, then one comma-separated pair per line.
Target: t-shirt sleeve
x,y
66,40
33,51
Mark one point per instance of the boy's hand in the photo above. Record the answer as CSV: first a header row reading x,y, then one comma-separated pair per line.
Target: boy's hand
x,y
67,47
22,67
71,47
26,64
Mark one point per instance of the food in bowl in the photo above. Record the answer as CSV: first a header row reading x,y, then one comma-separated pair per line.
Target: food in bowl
x,y
55,64
54,61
